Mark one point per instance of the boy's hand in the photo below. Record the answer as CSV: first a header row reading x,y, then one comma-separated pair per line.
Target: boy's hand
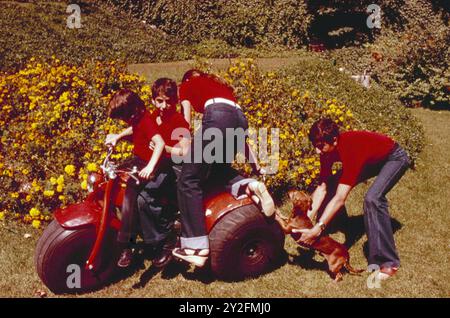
x,y
309,236
146,172
112,139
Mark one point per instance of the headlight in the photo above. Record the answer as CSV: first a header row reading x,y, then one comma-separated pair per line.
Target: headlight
x,y
93,181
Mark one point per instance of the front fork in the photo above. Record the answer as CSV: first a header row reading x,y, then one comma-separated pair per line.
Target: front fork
x,y
111,191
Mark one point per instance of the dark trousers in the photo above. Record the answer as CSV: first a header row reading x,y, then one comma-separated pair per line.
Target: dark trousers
x,y
157,207
377,221
194,175
129,226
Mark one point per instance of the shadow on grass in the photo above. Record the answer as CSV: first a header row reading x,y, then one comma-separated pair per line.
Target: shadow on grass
x,y
175,268
305,260
141,254
170,271
353,228
206,276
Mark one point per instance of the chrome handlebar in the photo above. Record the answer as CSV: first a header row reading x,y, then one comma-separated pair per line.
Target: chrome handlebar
x,y
110,169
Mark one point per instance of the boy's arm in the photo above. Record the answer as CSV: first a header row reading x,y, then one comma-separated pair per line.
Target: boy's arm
x,y
180,149
114,138
317,198
186,106
157,152
310,235
335,203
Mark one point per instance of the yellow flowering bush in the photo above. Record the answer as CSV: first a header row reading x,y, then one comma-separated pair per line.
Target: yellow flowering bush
x,y
269,102
54,123
292,99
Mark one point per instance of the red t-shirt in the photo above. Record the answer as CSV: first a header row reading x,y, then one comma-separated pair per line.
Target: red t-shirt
x,y
358,151
143,133
199,89
176,120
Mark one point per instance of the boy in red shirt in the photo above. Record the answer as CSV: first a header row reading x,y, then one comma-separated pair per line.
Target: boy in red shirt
x,y
156,201
363,154
127,106
211,96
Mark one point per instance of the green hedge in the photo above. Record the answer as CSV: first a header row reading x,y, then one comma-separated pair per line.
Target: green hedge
x,y
237,22
39,29
291,23
410,57
375,108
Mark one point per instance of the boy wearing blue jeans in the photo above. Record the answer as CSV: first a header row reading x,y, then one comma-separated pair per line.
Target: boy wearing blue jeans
x,y
129,107
363,154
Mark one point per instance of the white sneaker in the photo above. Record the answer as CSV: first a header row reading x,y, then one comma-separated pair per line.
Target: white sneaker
x,y
198,257
267,204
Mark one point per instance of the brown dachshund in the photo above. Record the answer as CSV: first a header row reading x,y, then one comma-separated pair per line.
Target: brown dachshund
x,y
334,252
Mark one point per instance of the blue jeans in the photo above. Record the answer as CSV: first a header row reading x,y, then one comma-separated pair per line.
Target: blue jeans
x,y
157,207
195,175
129,227
377,221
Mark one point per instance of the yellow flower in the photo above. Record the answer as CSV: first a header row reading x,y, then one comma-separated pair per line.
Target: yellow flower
x,y
28,198
14,195
49,193
2,216
36,224
84,185
62,198
306,95
60,180
53,180
59,188
34,212
70,170
92,167
64,97
308,181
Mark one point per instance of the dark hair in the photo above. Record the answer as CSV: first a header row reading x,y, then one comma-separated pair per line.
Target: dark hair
x,y
192,73
323,130
197,73
124,104
165,86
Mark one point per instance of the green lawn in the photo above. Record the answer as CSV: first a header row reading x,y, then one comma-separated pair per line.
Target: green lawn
x,y
419,206
175,70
